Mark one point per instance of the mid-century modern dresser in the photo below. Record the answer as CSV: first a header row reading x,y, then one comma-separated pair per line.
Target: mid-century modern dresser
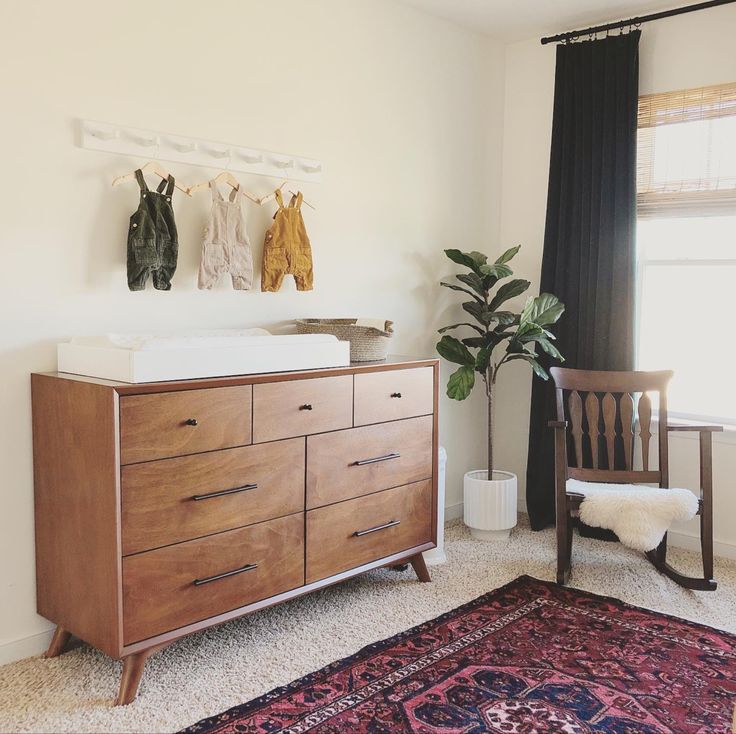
x,y
165,508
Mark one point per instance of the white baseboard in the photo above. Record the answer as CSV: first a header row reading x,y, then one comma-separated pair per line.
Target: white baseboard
x,y
453,512
692,543
25,647
675,539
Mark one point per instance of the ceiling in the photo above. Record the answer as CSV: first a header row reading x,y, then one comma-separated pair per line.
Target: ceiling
x,y
514,20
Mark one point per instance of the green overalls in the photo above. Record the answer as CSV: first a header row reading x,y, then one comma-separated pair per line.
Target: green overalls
x,y
153,243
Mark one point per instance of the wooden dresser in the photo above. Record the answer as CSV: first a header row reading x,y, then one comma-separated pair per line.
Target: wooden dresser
x,y
166,508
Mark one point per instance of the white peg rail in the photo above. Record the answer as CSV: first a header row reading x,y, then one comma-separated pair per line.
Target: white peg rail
x,y
196,152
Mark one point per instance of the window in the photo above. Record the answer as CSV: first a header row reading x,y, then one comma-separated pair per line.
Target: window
x,y
686,243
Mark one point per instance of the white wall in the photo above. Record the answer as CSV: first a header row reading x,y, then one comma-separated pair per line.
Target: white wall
x,y
677,53
396,104
404,111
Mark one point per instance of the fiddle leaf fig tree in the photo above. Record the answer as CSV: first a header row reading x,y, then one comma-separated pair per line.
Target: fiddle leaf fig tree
x,y
518,335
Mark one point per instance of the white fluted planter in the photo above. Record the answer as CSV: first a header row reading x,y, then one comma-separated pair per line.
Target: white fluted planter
x,y
489,507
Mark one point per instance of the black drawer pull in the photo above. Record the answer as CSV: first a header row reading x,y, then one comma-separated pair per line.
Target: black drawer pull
x,y
191,422
223,492
234,572
387,457
395,394
393,523
307,406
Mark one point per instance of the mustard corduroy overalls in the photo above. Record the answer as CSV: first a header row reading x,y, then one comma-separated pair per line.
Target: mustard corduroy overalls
x,y
286,249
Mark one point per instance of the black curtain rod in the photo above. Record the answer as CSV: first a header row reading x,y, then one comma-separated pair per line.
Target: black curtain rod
x,y
572,35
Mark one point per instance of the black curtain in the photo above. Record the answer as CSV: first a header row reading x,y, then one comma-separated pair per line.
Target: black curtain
x,y
589,241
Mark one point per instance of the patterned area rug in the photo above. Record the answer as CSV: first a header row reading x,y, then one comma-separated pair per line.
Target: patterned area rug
x,y
529,658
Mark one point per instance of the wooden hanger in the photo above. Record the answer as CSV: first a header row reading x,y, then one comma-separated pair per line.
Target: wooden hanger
x,y
224,177
272,195
150,167
304,201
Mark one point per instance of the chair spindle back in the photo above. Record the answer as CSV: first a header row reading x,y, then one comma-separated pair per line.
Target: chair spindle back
x,y
606,412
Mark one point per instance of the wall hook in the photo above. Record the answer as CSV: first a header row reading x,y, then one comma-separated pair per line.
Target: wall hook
x,y
219,153
104,134
184,147
250,157
311,167
282,163
145,142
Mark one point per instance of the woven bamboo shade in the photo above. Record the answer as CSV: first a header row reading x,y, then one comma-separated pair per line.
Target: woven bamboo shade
x,y
686,162
686,105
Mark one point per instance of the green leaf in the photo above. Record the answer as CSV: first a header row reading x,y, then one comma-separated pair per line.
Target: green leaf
x,y
461,383
478,311
527,311
514,346
504,318
474,281
508,255
529,332
538,369
472,260
543,310
482,359
457,326
550,348
509,290
454,287
495,272
454,351
474,342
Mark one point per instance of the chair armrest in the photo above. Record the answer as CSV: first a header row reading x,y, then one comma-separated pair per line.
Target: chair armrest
x,y
699,429
556,424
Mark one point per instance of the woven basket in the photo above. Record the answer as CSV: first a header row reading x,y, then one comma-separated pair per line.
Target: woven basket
x,y
367,344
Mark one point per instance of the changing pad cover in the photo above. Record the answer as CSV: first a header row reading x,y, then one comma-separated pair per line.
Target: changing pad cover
x,y
215,338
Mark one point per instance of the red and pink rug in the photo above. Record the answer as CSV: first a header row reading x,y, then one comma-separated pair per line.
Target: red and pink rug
x,y
529,658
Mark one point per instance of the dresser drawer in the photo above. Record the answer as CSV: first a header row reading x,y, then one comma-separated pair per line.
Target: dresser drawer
x,y
174,586
172,500
393,394
358,461
301,407
176,423
349,534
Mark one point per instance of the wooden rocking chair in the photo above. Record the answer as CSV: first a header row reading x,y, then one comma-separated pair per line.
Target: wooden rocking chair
x,y
589,400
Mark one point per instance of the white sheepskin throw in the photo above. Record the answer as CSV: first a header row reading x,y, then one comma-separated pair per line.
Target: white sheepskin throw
x,y
640,516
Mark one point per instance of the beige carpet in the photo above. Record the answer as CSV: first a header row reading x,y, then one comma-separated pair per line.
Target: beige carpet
x,y
214,670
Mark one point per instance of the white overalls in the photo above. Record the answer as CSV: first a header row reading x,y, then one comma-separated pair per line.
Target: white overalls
x,y
226,247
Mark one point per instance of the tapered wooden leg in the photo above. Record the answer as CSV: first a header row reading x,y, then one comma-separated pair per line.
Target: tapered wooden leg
x,y
420,567
58,642
130,679
569,538
564,547
563,521
706,508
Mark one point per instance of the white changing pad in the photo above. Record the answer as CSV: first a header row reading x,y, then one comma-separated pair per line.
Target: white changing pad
x,y
190,339
158,357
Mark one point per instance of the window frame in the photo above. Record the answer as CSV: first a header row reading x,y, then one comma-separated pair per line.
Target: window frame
x,y
696,204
